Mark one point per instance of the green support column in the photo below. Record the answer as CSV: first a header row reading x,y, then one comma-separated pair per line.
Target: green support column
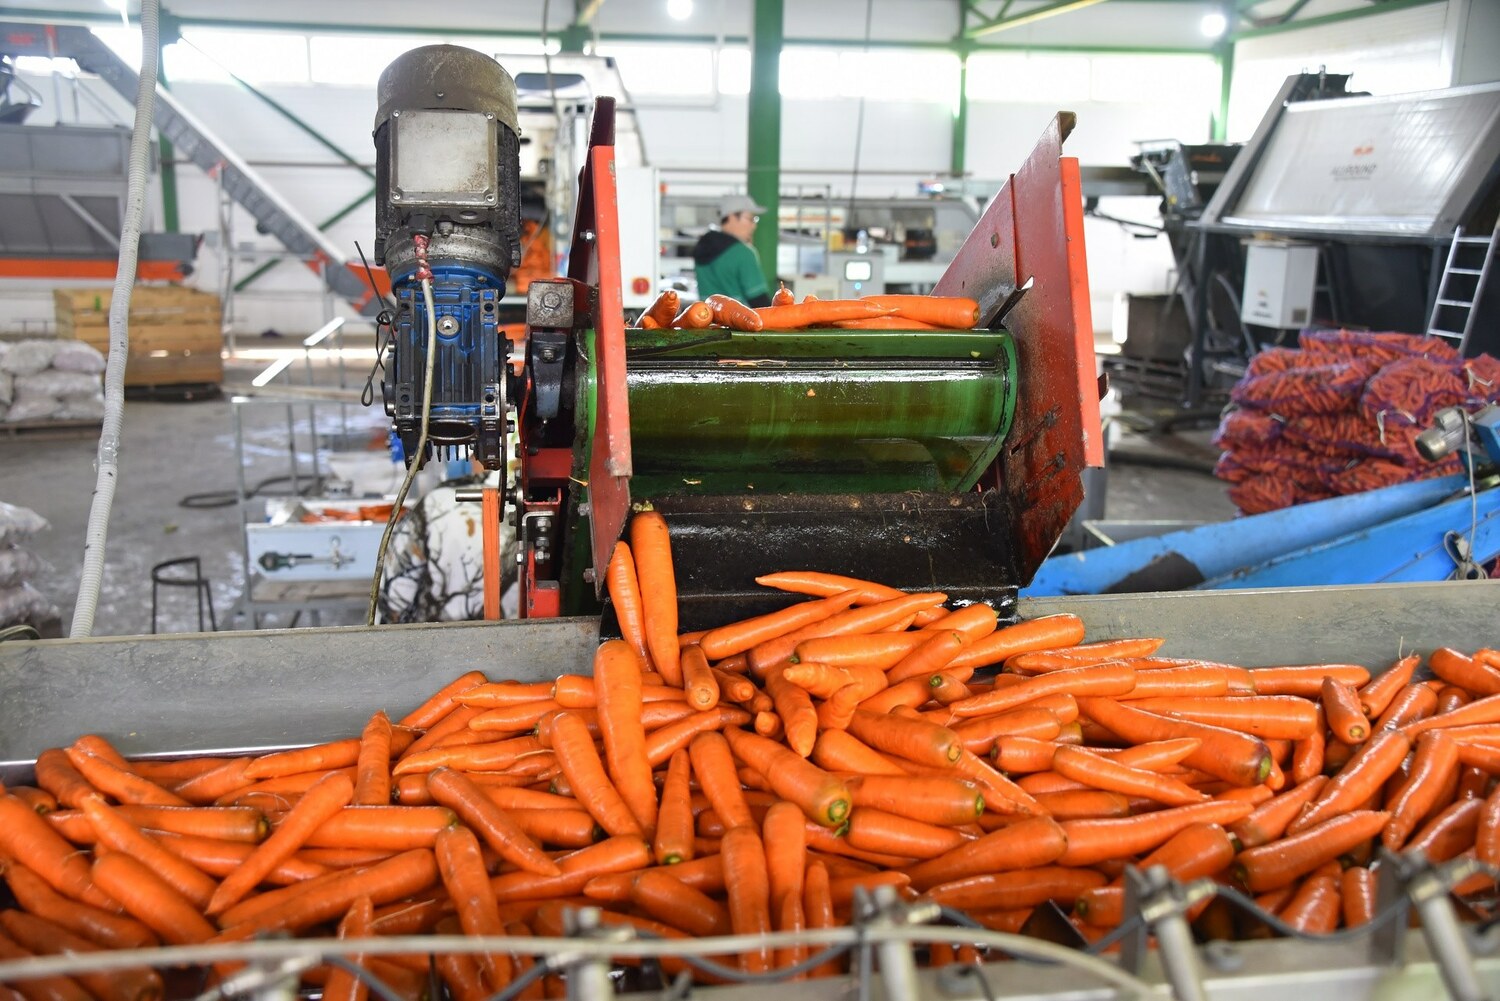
x,y
1226,77
960,143
169,34
763,166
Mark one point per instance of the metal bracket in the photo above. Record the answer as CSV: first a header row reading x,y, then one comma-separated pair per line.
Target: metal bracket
x,y
1162,904
588,978
1428,888
884,908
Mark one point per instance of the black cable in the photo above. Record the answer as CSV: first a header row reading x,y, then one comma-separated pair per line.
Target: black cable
x,y
382,319
859,123
376,985
975,971
228,498
1248,905
1124,928
717,969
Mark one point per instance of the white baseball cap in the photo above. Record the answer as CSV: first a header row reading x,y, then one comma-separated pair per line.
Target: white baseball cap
x,y
730,204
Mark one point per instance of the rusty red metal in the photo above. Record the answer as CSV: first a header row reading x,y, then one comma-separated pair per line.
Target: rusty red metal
x,y
1034,230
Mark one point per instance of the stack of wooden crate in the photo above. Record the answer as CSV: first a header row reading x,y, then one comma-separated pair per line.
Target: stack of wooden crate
x,y
175,332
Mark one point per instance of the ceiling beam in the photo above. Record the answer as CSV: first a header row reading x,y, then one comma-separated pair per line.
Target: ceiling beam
x,y
1003,23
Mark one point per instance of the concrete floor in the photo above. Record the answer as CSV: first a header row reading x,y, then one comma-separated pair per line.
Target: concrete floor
x,y
175,449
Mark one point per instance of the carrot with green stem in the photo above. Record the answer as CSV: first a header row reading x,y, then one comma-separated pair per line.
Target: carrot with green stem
x,y
932,799
1279,863
745,635
651,543
586,775
932,656
673,842
617,675
1228,754
498,827
115,833
713,767
824,798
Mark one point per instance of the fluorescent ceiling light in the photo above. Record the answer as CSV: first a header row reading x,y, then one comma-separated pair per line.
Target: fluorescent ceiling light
x,y
679,10
1213,25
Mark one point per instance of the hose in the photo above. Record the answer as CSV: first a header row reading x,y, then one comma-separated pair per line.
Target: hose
x,y
107,463
414,462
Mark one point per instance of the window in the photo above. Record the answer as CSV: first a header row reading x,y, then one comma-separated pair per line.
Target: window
x,y
664,70
255,56
1147,79
1033,78
734,70
879,74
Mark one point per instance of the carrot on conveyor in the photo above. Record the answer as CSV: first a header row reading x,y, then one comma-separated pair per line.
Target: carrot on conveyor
x,y
947,312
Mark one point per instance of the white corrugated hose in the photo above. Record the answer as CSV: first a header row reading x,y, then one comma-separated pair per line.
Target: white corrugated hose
x,y
107,464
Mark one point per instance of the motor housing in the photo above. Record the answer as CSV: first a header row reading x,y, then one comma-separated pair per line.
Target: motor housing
x,y
448,208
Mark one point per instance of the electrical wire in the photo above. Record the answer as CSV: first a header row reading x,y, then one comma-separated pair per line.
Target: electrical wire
x,y
19,632
211,499
414,462
859,121
108,461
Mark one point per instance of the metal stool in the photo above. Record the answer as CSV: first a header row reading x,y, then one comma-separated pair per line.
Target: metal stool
x,y
199,583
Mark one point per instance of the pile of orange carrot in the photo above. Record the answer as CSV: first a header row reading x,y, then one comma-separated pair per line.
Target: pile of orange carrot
x,y
751,777
871,312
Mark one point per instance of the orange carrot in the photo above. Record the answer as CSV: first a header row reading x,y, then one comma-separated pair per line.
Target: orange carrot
x,y
54,988
586,775
669,900
618,676
442,702
694,316
1308,753
932,656
1411,703
909,739
42,937
1375,696
1265,716
1047,633
949,312
1435,763
1131,651
1274,865
878,651
206,787
102,927
798,717
981,735
1081,804
874,830
784,835
1341,708
824,798
1315,907
825,585
56,774
317,758
1450,832
650,542
373,785
1357,895
220,858
124,785
663,308
1365,773
1100,772
1306,681
818,313
746,634
1100,679
1025,844
674,822
1012,890
1465,672
1093,841
30,840
150,900
663,742
625,596
115,833
713,767
321,900
782,296
910,693
342,984
837,751
934,800
1270,819
1200,681
488,756
1228,754
498,827
500,694
463,873
868,618
698,681
749,884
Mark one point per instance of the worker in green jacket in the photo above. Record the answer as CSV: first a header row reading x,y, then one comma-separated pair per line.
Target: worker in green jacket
x,y
725,262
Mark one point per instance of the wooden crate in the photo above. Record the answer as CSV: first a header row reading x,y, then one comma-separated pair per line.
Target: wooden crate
x,y
175,335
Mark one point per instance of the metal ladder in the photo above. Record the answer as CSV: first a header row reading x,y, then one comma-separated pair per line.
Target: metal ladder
x,y
273,214
1463,249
